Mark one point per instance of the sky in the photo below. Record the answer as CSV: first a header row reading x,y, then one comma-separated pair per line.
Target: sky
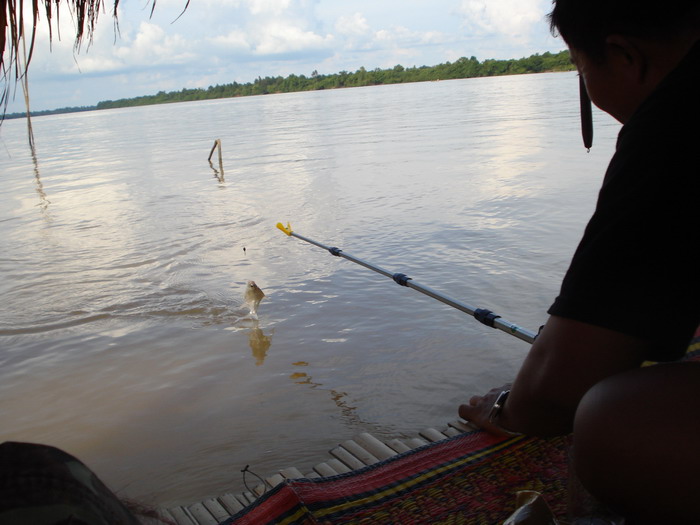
x,y
222,41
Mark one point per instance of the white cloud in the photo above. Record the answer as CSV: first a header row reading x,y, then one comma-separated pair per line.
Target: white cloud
x,y
267,29
510,18
152,45
276,7
256,7
352,25
271,40
400,38
236,41
277,38
89,64
435,37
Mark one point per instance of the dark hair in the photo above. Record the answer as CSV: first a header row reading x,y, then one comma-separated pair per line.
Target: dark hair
x,y
585,24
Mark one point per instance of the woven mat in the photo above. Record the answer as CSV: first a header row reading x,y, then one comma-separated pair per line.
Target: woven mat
x,y
471,478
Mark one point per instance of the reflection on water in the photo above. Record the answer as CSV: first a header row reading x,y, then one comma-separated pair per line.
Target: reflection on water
x,y
217,175
43,199
259,344
124,335
347,411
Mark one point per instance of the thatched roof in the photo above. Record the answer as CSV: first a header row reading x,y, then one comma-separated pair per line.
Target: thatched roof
x,y
17,34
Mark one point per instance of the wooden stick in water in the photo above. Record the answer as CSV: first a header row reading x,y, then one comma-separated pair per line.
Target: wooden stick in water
x,y
217,142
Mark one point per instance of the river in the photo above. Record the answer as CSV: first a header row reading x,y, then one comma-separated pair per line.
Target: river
x,y
124,256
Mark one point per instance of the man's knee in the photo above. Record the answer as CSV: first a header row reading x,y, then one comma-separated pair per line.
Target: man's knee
x,y
635,438
598,427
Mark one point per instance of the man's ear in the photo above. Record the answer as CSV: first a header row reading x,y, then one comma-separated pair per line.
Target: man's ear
x,y
627,57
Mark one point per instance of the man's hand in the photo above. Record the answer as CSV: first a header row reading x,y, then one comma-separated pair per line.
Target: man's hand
x,y
480,408
565,361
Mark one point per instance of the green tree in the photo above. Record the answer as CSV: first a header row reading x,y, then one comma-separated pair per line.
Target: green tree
x,y
462,68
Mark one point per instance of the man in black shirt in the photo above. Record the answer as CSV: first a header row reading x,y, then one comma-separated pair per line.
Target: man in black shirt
x,y
632,292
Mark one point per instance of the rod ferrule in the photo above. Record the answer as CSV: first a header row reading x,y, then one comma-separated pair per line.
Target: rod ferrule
x,y
485,316
401,278
335,251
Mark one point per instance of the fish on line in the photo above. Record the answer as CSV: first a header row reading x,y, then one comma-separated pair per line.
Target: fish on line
x,y
253,296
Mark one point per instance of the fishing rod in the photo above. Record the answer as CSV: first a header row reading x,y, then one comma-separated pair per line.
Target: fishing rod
x,y
482,315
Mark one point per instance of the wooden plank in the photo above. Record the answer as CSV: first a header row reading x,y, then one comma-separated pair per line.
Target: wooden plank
x,y
275,480
432,435
374,446
398,445
181,516
360,453
202,515
416,442
165,516
250,497
230,503
463,426
244,501
216,509
338,466
451,432
343,455
260,489
312,475
291,473
324,469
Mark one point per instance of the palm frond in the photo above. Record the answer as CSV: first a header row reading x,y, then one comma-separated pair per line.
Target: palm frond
x,y
13,28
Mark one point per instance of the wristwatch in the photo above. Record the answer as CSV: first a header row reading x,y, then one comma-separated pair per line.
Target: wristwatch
x,y
496,409
498,406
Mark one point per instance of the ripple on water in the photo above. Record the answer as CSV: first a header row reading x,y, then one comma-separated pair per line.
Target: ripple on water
x,y
123,334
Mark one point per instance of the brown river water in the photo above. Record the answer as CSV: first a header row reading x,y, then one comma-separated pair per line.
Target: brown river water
x,y
124,337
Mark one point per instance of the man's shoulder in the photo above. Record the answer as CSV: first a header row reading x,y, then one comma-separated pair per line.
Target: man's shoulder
x,y
672,110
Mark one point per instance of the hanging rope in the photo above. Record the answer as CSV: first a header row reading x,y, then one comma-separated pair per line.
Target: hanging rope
x,y
245,471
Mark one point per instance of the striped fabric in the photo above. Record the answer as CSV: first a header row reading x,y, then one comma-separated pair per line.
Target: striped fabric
x,y
469,478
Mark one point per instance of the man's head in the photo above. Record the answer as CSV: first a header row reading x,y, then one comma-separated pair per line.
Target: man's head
x,y
585,24
624,48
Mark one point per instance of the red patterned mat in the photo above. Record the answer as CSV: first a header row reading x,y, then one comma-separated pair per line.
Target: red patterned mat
x,y
470,478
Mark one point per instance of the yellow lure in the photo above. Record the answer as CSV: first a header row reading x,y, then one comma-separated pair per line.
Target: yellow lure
x,y
286,229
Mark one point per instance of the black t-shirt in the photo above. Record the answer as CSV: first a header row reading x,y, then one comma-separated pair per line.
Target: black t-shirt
x,y
636,268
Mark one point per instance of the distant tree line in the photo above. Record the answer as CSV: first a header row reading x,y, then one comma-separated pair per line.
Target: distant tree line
x,y
462,68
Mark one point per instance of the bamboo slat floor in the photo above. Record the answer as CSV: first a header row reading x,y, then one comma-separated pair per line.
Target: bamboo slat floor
x,y
350,455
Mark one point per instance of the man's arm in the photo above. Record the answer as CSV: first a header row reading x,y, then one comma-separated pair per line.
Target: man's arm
x,y
566,360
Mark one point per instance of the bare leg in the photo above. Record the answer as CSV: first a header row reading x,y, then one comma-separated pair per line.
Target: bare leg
x,y
637,443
